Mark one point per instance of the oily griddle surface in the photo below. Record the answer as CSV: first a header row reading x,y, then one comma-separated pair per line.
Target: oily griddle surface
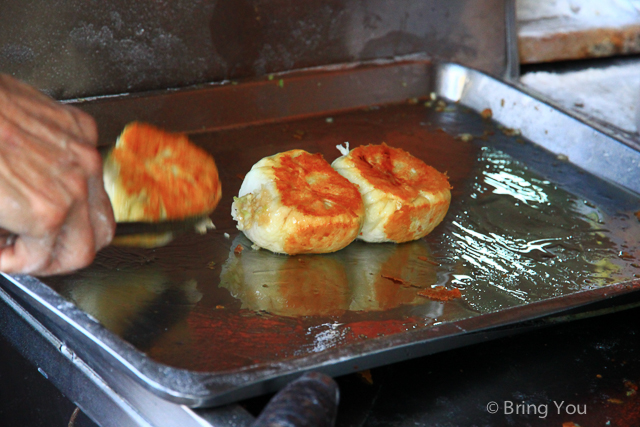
x,y
523,227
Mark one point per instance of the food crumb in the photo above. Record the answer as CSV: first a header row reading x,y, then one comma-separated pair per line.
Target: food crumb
x,y
510,131
616,401
486,134
329,120
632,388
430,261
502,102
281,83
440,293
412,101
204,225
255,247
226,235
238,249
625,255
398,281
465,137
211,265
433,96
366,376
486,113
598,376
219,307
393,279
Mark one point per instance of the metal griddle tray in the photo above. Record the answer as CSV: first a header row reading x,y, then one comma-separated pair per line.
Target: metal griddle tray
x,y
542,222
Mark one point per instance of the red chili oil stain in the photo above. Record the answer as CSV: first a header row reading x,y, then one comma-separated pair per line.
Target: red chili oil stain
x,y
626,413
244,338
372,329
425,259
440,293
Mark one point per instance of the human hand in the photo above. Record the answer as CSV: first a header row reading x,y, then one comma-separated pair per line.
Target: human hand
x,y
52,195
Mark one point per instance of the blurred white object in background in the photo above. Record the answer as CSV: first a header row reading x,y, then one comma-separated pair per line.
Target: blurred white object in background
x,y
573,15
610,94
557,30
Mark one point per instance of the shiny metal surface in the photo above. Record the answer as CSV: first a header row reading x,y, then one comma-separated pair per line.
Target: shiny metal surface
x,y
587,144
73,49
527,235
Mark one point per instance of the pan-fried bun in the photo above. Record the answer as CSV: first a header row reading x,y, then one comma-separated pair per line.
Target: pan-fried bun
x,y
152,175
404,198
294,202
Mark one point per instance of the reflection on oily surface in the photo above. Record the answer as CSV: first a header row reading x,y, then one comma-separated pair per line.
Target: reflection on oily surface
x,y
518,238
156,234
130,300
362,277
374,270
116,302
312,285
147,240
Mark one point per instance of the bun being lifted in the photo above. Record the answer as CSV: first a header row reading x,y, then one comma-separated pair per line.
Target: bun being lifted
x,y
152,175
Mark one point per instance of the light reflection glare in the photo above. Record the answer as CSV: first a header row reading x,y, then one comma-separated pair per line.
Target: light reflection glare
x,y
489,252
506,181
520,238
329,336
519,188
